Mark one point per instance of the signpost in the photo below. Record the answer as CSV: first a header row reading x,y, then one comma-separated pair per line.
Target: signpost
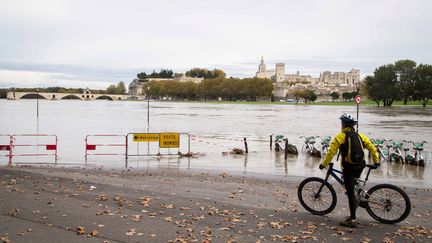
x,y
146,137
358,101
169,140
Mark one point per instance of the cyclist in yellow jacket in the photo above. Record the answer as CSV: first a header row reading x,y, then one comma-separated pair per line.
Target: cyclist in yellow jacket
x,y
351,145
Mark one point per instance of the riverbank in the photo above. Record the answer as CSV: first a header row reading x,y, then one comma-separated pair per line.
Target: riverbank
x,y
318,103
43,204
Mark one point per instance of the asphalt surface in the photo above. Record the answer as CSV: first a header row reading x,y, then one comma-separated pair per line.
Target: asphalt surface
x,y
40,204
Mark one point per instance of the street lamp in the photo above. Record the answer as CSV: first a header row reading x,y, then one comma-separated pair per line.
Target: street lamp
x,y
357,86
37,103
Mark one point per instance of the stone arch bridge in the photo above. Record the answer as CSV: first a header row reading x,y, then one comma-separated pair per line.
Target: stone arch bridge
x,y
12,95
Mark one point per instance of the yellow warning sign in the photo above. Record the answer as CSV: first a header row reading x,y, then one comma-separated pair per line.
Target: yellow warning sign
x,y
169,140
146,137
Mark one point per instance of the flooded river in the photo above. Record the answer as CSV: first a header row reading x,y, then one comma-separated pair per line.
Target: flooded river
x,y
213,128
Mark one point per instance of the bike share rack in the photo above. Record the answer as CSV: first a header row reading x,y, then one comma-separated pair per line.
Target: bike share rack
x,y
93,146
143,137
7,147
48,146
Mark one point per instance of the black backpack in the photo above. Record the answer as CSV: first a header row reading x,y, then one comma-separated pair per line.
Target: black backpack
x,y
353,150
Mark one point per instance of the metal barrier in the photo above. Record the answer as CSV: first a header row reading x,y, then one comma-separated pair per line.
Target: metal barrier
x,y
48,146
7,146
93,146
165,140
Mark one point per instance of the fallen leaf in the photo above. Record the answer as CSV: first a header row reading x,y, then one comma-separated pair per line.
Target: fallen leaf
x,y
80,230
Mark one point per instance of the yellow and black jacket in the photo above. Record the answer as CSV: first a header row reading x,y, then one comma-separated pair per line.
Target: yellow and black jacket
x,y
339,139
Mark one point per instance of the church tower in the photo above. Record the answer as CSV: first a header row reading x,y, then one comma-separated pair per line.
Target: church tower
x,y
262,66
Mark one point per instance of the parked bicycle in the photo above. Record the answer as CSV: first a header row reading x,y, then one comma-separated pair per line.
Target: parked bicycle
x,y
309,146
417,157
325,143
385,203
280,145
382,153
396,155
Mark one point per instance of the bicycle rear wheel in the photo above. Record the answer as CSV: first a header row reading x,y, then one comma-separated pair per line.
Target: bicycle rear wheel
x,y
387,203
317,196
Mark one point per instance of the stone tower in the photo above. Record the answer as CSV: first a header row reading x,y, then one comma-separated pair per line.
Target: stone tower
x,y
280,72
262,66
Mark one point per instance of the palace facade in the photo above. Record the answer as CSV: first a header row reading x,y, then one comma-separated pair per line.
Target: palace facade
x,y
327,82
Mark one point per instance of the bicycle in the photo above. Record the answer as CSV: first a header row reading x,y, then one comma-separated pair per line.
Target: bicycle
x,y
397,155
309,146
417,158
325,143
385,203
291,148
383,154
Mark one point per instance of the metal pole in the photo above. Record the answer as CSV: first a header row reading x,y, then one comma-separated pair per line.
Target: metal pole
x,y
271,141
148,109
357,116
148,118
37,103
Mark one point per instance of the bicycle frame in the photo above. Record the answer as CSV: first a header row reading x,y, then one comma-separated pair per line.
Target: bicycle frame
x,y
334,173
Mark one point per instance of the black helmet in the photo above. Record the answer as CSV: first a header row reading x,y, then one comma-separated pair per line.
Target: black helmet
x,y
348,120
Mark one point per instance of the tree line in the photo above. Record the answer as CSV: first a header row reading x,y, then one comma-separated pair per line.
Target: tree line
x,y
120,88
163,73
205,73
402,80
194,73
231,89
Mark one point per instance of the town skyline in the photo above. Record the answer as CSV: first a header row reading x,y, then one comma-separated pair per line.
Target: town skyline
x,y
75,44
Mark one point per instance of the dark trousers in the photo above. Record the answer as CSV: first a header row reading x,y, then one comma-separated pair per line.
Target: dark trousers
x,y
350,173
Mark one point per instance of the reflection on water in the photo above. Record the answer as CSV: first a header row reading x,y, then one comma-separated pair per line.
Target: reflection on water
x,y
216,128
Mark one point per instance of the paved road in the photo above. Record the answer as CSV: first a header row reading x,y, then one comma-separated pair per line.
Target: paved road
x,y
90,205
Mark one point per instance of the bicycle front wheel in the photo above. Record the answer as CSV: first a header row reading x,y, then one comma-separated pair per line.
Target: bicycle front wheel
x,y
317,196
387,203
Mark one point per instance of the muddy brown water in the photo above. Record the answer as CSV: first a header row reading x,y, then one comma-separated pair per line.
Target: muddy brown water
x,y
213,128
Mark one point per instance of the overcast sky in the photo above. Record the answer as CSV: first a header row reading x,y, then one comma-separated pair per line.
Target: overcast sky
x,y
94,43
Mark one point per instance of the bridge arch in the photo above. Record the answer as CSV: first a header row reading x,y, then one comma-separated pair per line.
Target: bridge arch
x,y
104,97
33,96
71,97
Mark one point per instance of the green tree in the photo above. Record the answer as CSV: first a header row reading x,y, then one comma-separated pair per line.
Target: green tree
x,y
298,94
312,96
142,75
382,86
346,96
422,88
205,73
405,72
307,95
334,95
121,88
111,89
372,89
354,94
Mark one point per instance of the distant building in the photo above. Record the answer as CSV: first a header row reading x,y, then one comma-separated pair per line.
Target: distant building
x,y
278,75
136,86
336,79
284,84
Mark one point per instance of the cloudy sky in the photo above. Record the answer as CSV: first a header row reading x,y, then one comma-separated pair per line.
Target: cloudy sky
x,y
94,43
